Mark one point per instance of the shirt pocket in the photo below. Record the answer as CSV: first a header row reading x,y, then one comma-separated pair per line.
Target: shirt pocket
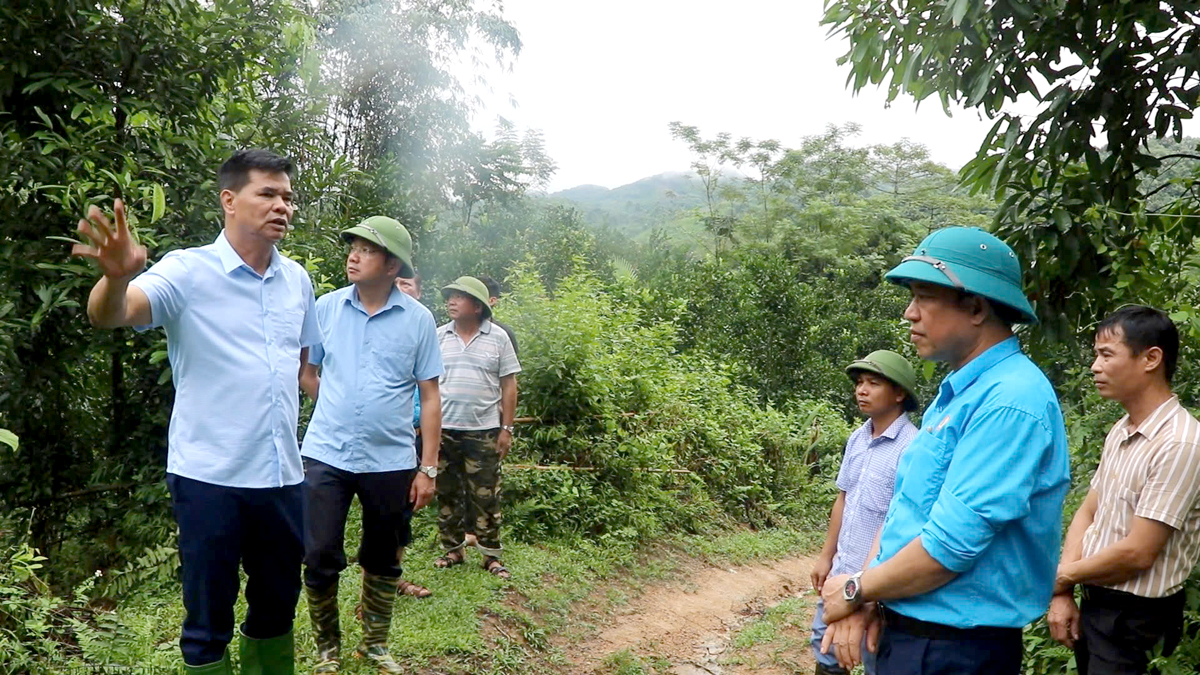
x,y
877,492
1125,503
287,329
394,363
922,470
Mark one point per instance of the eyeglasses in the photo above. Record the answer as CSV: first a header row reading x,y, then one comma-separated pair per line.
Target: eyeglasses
x,y
364,250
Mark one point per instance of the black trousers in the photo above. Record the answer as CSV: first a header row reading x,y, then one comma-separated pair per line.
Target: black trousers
x,y
386,520
221,528
1118,629
911,647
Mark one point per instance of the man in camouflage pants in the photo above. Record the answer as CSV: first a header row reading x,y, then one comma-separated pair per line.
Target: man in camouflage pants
x,y
479,400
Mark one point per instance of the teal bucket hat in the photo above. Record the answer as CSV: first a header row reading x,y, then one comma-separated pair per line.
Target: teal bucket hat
x,y
472,287
389,234
971,260
895,368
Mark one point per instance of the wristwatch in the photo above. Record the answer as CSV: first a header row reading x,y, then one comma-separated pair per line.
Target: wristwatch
x,y
509,428
852,591
430,471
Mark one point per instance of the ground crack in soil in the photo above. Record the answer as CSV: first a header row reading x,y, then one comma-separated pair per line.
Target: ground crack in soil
x,y
691,621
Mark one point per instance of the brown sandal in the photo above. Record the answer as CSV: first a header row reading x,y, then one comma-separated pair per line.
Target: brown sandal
x,y
450,559
494,567
413,590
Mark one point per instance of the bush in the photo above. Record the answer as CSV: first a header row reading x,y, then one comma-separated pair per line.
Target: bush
x,y
616,404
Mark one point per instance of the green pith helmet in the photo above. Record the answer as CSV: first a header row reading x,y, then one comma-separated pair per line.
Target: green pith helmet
x,y
971,260
472,287
389,234
895,368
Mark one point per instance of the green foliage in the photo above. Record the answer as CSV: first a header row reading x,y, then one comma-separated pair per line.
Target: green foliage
x,y
610,394
1117,74
790,332
144,101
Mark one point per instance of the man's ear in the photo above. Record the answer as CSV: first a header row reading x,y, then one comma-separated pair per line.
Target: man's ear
x,y
227,196
1152,358
979,309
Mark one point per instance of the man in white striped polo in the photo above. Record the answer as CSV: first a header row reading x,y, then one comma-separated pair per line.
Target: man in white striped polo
x,y
479,402
1136,537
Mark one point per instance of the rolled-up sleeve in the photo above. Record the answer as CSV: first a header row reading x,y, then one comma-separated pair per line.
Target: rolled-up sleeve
x,y
988,483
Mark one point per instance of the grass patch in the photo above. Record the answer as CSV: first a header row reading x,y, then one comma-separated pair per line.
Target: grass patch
x,y
779,637
473,622
625,662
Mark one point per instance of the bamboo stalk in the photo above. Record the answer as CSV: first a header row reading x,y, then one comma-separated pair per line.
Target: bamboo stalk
x,y
531,420
582,469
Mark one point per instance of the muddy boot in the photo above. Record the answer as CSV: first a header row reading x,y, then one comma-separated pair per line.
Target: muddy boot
x,y
323,613
378,596
272,656
222,667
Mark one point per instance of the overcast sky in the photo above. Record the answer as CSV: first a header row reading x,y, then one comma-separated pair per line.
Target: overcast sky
x,y
603,80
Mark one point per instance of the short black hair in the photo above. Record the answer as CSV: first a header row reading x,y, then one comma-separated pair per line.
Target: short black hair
x,y
1145,327
235,172
492,286
1007,315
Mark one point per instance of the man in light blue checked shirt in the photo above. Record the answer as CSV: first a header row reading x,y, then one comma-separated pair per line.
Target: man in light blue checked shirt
x,y
885,389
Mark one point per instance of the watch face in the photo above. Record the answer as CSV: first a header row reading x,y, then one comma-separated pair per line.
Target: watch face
x,y
851,589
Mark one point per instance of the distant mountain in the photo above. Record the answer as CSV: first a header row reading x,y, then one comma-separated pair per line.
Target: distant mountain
x,y
635,209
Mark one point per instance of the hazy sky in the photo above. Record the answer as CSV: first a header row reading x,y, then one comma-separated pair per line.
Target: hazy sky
x,y
603,80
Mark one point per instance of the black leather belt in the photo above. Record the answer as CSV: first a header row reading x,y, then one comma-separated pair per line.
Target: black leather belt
x,y
937,631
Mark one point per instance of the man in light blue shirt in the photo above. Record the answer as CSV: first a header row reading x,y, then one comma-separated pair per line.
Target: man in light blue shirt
x,y
378,347
969,547
239,318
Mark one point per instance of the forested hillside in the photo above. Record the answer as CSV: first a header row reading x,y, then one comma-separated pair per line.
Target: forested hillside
x,y
683,337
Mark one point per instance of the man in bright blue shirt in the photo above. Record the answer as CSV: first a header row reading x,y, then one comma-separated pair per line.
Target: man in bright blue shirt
x,y
239,318
969,547
378,346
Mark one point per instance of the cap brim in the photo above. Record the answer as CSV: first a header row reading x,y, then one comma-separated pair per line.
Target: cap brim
x,y
406,267
1003,293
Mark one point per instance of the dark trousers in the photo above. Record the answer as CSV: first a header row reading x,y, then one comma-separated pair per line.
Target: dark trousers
x,y
1117,630
386,520
468,489
221,528
911,647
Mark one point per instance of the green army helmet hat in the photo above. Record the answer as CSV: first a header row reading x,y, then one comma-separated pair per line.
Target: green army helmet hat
x,y
472,287
389,234
971,260
892,366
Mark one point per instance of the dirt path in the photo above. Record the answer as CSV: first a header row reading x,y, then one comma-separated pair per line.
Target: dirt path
x,y
691,622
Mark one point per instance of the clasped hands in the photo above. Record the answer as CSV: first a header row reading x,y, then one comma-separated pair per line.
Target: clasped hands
x,y
1063,616
848,625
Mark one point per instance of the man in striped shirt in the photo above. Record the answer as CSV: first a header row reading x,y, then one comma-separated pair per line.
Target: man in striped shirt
x,y
479,401
1136,537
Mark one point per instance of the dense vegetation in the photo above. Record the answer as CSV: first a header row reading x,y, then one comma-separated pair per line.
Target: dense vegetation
x,y
684,347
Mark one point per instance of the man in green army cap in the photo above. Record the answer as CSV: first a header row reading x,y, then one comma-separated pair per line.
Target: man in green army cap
x,y
885,388
969,547
377,346
479,402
